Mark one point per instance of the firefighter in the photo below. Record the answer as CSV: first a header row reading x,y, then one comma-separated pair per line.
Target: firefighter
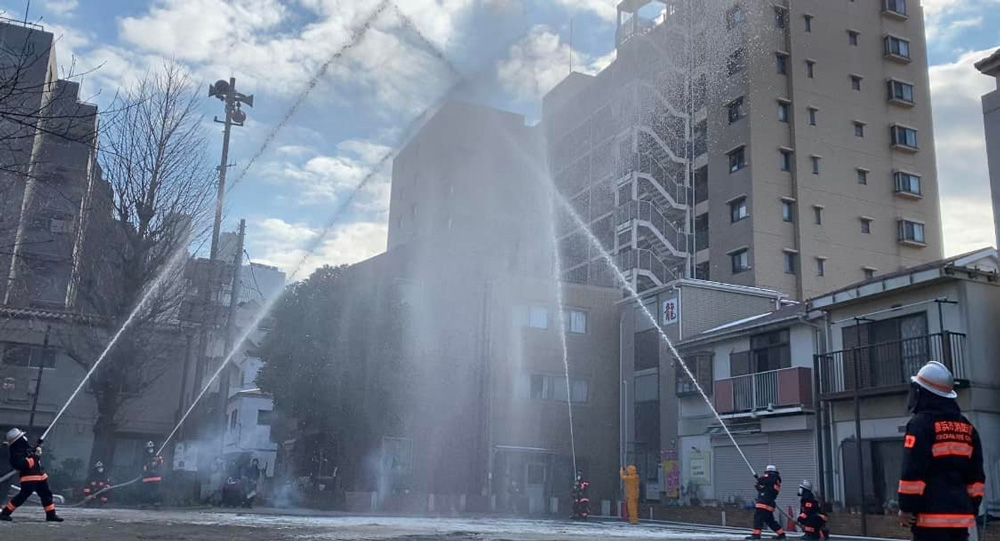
x,y
942,483
811,517
151,475
768,486
630,476
581,501
98,481
27,460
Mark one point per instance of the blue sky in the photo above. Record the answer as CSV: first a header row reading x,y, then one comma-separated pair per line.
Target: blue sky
x,y
503,52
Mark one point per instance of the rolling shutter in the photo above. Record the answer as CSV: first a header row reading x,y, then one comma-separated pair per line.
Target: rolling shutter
x,y
794,453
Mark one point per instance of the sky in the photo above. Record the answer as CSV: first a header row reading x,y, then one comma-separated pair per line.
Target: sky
x,y
296,168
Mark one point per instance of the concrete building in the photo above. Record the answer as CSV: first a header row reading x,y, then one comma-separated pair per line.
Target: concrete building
x,y
791,150
52,195
879,333
990,66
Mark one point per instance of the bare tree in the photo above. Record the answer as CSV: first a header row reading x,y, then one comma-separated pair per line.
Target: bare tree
x,y
153,157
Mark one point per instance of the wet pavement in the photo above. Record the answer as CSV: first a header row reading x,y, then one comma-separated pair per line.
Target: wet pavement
x,y
260,525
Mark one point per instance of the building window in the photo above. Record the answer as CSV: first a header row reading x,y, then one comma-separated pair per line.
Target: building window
x,y
552,387
791,263
866,226
701,236
809,22
895,6
234,419
786,160
738,210
733,17
737,160
736,62
862,176
815,164
812,115
859,129
897,47
911,232
781,63
904,137
768,351
27,355
735,110
869,273
264,417
702,271
740,261
780,17
701,185
787,211
907,183
782,111
576,321
811,69
534,317
852,37
818,215
820,266
900,92
700,365
856,82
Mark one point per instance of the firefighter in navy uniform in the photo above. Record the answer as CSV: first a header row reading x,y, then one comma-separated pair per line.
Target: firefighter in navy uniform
x,y
152,476
98,481
26,459
811,517
581,501
768,486
943,483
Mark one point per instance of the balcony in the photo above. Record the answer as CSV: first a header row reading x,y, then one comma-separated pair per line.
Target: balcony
x,y
886,368
784,388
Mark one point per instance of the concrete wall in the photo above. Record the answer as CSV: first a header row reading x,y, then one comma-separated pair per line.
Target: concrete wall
x,y
991,120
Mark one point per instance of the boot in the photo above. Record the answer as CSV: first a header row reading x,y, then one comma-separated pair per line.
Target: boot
x,y
780,536
51,516
5,516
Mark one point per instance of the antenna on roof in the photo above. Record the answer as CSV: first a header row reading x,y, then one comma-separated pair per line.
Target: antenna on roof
x,y
27,8
571,44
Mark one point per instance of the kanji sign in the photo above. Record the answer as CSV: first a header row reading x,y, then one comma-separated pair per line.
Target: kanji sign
x,y
668,311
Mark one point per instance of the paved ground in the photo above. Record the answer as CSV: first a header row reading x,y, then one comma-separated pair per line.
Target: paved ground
x,y
176,525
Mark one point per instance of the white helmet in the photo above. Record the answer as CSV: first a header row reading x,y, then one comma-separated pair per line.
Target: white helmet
x,y
806,485
13,435
937,379
150,445
99,464
770,468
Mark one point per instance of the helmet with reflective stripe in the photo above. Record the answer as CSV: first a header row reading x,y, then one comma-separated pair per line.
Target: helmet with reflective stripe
x,y
937,379
13,435
771,467
99,464
806,485
150,445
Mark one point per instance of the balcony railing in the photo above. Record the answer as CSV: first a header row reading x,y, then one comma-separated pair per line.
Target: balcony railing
x,y
645,260
888,366
787,387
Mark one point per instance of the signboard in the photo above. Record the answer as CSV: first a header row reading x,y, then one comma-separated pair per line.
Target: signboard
x,y
185,457
671,474
699,468
669,313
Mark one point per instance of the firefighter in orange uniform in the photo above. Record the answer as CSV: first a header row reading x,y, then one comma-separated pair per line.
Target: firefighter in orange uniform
x,y
768,486
27,460
943,483
151,475
630,476
98,481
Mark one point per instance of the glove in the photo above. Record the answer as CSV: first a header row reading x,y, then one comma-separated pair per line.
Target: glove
x,y
907,520
38,451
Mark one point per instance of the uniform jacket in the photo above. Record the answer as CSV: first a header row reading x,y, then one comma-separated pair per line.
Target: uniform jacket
x,y
768,486
943,481
810,515
151,470
23,459
96,483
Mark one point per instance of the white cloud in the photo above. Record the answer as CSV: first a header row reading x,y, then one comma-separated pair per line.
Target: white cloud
x,y
61,7
944,20
322,179
540,61
285,245
963,174
604,9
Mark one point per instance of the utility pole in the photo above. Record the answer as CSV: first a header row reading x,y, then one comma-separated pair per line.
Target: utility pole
x,y
234,295
226,92
38,380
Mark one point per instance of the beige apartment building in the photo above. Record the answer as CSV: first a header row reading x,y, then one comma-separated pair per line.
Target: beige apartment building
x,y
785,145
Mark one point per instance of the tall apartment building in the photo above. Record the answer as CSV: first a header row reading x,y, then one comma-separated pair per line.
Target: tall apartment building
x,y
54,199
785,145
990,66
